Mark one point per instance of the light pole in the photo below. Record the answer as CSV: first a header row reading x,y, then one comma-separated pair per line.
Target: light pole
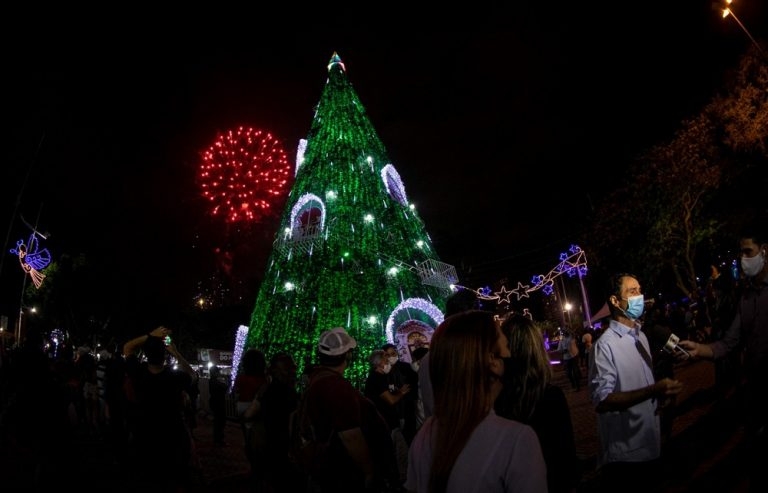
x,y
726,11
568,307
31,309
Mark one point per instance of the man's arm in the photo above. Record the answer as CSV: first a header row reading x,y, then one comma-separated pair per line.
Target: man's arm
x,y
719,348
183,364
131,347
619,401
393,398
357,448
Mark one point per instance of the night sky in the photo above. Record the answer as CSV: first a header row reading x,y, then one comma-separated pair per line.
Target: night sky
x,y
504,126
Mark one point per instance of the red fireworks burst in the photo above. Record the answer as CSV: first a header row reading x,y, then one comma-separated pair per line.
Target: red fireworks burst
x,y
243,173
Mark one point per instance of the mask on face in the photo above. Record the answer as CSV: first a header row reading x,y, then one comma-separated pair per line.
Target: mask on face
x,y
386,368
392,360
635,307
753,265
415,365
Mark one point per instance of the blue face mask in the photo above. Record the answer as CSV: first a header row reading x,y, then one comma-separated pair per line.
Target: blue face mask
x,y
635,307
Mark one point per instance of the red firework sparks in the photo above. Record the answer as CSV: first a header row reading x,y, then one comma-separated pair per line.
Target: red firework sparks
x,y
243,173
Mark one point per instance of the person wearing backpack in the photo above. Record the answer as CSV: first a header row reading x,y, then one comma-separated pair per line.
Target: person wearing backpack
x,y
340,417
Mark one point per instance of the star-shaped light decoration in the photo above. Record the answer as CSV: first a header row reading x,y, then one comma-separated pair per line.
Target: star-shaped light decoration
x,y
485,293
521,291
503,295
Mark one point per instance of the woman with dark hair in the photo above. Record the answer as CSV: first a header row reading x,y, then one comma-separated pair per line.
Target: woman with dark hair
x,y
249,387
529,396
465,446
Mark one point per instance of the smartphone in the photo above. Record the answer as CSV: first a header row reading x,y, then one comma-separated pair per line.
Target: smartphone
x,y
686,353
672,345
167,340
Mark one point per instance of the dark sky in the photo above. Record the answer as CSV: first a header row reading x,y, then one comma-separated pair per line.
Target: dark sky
x,y
505,126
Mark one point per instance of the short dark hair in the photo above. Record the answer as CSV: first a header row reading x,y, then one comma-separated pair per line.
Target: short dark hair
x,y
154,350
254,362
614,289
615,281
388,345
419,353
754,230
328,360
462,300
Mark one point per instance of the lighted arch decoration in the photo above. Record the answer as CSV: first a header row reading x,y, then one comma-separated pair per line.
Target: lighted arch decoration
x,y
394,184
305,200
572,263
419,304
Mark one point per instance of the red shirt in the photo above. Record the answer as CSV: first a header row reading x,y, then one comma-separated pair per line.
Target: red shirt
x,y
246,386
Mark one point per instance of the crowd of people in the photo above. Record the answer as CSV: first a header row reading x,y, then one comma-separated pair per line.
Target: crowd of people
x,y
474,409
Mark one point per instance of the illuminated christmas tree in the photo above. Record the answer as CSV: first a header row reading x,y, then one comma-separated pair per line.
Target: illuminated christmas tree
x,y
350,251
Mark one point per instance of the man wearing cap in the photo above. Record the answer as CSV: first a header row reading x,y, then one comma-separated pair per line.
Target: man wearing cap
x,y
337,410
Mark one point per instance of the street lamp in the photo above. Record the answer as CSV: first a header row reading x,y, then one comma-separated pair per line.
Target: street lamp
x,y
726,11
568,307
31,309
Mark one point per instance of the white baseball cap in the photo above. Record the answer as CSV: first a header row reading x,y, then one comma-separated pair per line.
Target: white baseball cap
x,y
335,342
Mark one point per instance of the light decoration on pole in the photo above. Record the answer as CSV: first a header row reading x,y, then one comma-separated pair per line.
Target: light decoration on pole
x,y
32,258
237,354
573,263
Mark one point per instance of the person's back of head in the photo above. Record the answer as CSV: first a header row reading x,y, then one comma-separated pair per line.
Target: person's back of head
x,y
419,353
154,350
334,347
527,372
526,344
459,365
283,368
464,348
254,362
460,301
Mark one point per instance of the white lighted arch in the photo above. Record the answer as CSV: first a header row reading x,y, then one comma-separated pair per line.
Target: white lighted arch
x,y
394,184
302,202
419,304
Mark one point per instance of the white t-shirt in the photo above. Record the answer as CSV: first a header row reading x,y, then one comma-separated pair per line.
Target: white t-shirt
x,y
501,456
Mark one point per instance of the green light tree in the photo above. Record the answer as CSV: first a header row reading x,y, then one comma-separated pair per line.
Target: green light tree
x,y
350,250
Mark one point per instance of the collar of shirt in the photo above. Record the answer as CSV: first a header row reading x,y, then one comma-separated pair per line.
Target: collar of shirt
x,y
623,330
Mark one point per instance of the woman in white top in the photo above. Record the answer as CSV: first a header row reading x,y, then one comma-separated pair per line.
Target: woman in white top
x,y
465,446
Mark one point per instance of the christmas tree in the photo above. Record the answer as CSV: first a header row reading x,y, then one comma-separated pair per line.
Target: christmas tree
x,y
350,251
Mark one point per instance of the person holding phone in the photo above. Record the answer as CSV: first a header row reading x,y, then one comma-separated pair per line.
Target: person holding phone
x,y
748,335
157,395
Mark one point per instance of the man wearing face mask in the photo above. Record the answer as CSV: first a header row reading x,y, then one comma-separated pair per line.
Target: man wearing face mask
x,y
626,395
748,333
387,397
403,373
